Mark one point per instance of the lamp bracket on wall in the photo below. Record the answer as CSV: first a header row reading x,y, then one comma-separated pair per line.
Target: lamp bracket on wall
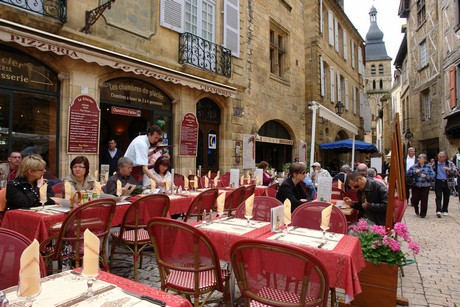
x,y
92,16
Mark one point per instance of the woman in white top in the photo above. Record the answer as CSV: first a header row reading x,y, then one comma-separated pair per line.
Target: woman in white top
x,y
160,172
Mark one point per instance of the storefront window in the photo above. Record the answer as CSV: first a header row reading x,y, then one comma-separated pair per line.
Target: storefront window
x,y
29,107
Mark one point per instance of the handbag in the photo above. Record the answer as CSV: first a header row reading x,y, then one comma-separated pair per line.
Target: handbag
x,y
410,180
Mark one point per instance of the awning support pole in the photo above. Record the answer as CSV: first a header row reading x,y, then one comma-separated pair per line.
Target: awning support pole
x,y
313,107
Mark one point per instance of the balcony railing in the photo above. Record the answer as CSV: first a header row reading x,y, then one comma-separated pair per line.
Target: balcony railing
x,y
52,8
204,54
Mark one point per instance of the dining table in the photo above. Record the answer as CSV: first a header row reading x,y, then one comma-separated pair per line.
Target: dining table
x,y
69,288
341,254
36,223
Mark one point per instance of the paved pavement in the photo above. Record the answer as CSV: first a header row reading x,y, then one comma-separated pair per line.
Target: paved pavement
x,y
434,280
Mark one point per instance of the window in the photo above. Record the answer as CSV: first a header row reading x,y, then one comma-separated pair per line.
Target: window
x,y
336,35
323,78
352,54
420,12
380,69
346,94
332,78
422,55
330,27
360,61
355,95
373,85
454,93
278,43
339,88
381,84
426,105
199,18
345,45
372,69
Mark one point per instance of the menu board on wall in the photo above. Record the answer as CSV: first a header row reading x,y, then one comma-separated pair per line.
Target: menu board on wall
x,y
188,135
83,136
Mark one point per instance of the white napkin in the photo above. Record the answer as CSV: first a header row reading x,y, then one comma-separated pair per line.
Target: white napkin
x,y
287,211
186,183
249,179
249,205
43,190
153,185
29,272
97,188
195,182
326,217
221,203
167,185
206,182
119,188
242,180
91,253
67,190
209,174
96,174
216,180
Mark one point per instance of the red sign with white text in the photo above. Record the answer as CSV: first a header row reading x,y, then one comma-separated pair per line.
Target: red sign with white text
x,y
126,111
84,114
188,135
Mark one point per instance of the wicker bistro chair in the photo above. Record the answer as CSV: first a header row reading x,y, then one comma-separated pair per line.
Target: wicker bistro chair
x,y
271,273
308,215
261,210
12,244
234,199
133,232
270,192
249,190
187,260
204,201
224,180
96,216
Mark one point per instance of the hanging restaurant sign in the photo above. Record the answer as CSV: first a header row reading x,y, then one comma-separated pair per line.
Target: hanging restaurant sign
x,y
83,134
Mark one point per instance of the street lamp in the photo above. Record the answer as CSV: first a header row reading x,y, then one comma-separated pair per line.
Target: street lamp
x,y
339,108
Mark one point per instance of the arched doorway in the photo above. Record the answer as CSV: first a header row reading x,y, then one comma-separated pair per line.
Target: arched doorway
x,y
208,115
128,107
274,145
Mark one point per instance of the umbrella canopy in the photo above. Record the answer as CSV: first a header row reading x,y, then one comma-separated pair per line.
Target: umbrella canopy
x,y
346,146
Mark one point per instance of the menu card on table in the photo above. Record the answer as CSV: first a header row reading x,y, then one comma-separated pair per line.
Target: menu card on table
x,y
234,177
324,189
277,218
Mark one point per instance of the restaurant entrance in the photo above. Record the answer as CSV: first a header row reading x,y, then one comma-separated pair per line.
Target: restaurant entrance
x,y
128,107
274,145
208,115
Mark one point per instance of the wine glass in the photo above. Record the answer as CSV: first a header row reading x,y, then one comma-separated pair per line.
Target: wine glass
x,y
29,298
248,217
324,228
90,275
43,204
286,226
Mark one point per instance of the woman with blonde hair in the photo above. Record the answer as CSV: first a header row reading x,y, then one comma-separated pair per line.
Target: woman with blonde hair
x,y
23,191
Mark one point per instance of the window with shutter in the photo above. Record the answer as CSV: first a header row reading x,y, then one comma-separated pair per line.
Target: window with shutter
x,y
339,88
323,77
355,90
332,77
360,61
330,25
232,26
352,43
426,105
172,14
336,35
345,45
453,87
422,55
346,94
321,18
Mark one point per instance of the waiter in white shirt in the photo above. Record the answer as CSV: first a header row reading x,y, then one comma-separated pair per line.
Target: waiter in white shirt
x,y
410,160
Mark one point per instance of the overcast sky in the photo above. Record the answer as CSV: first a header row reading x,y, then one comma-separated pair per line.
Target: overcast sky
x,y
387,20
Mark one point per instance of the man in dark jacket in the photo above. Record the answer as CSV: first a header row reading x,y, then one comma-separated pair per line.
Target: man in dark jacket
x,y
110,156
372,198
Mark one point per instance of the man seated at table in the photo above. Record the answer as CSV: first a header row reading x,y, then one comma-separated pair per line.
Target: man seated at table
x,y
124,168
372,198
291,187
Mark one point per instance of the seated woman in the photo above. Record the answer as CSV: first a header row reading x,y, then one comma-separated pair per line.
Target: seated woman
x,y
291,187
124,169
23,192
160,172
79,179
267,178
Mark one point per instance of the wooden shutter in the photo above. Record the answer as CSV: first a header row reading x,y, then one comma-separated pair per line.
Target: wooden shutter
x,y
339,88
323,77
332,77
336,34
172,14
346,94
453,87
321,19
330,25
360,61
352,43
345,45
232,26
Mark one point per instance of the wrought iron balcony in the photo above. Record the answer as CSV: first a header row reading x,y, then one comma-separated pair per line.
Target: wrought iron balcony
x,y
52,8
204,54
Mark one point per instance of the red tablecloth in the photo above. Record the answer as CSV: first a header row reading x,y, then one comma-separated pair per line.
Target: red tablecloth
x,y
342,263
169,299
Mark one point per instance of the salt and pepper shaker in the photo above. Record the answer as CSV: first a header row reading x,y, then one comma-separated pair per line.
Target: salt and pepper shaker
x,y
210,217
203,220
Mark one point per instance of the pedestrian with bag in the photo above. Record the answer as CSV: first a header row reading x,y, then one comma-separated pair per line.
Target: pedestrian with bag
x,y
444,171
422,174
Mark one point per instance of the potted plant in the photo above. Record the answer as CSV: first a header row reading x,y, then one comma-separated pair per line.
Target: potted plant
x,y
384,253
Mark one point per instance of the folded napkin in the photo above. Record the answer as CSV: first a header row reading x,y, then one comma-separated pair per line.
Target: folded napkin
x,y
67,190
339,184
195,182
119,188
97,188
242,180
218,174
43,190
216,180
167,185
206,182
190,172
248,179
29,272
249,205
326,217
91,253
287,211
106,176
186,183
209,174
221,203
153,185
96,174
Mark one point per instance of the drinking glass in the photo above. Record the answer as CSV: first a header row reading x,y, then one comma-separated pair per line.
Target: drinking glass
x,y
28,299
324,232
43,204
90,279
248,217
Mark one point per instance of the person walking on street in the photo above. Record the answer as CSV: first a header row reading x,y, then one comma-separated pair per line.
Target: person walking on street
x,y
408,162
456,161
423,174
444,170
